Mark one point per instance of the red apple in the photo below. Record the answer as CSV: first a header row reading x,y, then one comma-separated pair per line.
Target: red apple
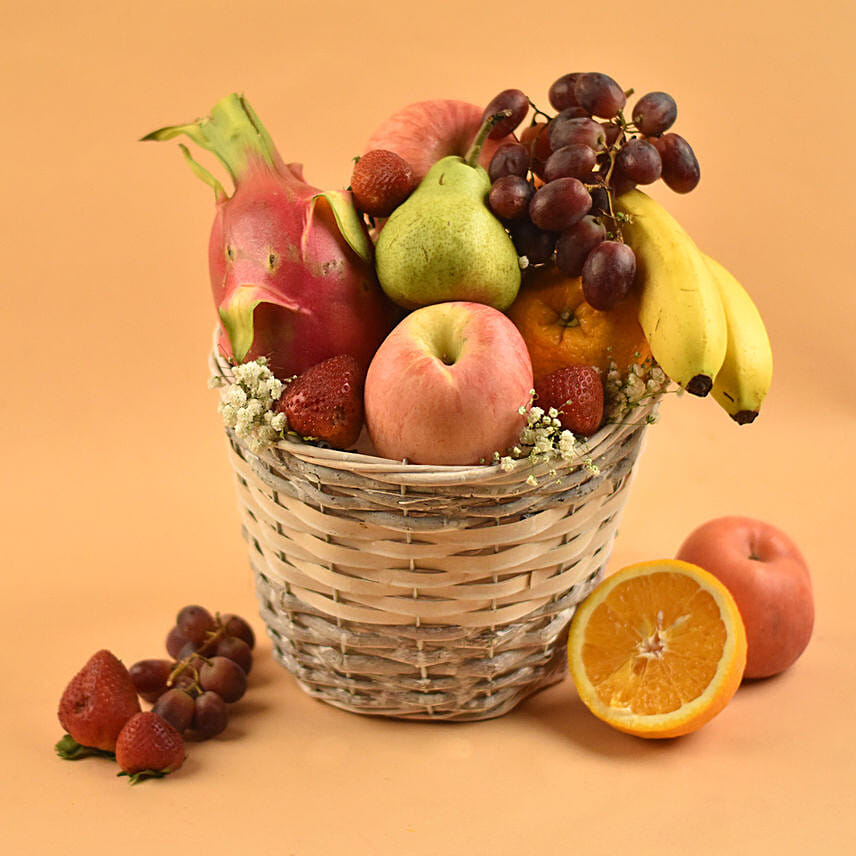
x,y
426,131
768,578
446,386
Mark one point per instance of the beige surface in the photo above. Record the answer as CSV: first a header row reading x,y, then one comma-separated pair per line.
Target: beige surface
x,y
118,508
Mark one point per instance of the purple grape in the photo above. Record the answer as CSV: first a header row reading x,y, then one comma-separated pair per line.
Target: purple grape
x,y
509,197
611,132
532,242
575,244
150,677
574,112
608,274
680,168
223,677
574,161
558,204
175,641
599,94
236,650
177,707
561,92
639,161
195,622
509,99
234,625
188,678
565,132
509,159
599,199
655,113
621,184
187,649
210,715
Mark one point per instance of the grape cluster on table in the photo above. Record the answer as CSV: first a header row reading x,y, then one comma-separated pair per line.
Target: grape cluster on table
x,y
211,658
555,185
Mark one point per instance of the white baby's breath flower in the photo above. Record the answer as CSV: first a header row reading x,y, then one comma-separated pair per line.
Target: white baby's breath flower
x,y
237,396
638,385
229,414
543,444
543,439
247,405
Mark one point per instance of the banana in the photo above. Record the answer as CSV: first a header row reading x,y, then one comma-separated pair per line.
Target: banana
x,y
680,309
743,380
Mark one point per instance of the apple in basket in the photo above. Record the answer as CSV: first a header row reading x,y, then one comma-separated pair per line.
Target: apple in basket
x,y
447,384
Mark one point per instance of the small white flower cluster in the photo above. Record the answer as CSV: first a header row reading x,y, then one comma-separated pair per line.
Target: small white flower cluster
x,y
624,392
543,439
247,405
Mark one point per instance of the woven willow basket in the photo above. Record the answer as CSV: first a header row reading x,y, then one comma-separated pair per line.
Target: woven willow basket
x,y
426,592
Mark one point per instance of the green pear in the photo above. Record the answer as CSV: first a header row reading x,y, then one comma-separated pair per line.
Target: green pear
x,y
443,243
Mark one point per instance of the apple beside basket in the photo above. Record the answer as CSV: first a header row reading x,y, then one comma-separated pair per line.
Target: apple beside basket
x,y
427,592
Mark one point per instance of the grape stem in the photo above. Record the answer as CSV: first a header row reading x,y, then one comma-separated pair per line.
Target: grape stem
x,y
538,112
206,647
487,126
613,150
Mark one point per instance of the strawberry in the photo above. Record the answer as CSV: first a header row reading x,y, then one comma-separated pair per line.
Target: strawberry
x,y
148,747
577,393
326,402
381,181
96,704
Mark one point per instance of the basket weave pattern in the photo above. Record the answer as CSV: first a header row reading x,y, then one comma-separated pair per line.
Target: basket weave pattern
x,y
426,592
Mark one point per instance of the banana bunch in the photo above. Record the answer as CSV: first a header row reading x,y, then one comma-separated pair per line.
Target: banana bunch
x,y
703,328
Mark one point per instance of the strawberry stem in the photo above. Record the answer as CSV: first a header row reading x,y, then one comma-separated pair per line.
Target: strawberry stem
x,y
142,775
70,750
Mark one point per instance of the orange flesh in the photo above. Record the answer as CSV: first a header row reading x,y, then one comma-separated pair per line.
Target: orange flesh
x,y
653,644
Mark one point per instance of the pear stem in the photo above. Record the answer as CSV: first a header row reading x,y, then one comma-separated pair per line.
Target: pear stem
x,y
487,126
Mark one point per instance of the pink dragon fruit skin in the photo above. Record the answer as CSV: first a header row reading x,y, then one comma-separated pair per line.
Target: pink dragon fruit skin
x,y
290,265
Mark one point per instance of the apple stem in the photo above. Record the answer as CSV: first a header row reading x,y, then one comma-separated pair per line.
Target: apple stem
x,y
486,127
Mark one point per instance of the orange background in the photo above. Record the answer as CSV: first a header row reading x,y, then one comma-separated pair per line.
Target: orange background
x,y
118,506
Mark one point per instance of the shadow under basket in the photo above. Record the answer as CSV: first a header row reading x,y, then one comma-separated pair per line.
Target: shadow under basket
x,y
422,592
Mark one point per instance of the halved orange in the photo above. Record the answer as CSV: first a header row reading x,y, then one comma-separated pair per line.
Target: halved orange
x,y
657,649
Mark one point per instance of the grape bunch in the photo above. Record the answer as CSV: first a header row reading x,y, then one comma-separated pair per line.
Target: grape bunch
x,y
554,186
211,658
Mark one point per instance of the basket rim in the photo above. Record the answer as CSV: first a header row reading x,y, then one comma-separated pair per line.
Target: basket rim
x,y
435,474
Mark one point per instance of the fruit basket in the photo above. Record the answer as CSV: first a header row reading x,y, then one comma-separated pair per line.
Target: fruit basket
x,y
427,592
436,383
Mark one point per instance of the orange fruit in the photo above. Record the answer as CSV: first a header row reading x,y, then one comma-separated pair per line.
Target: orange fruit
x,y
657,649
561,329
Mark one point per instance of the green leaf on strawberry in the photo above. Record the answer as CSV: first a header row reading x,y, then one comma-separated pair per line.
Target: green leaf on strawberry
x,y
142,775
70,750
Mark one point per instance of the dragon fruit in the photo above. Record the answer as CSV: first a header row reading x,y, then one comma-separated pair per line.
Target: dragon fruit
x,y
290,265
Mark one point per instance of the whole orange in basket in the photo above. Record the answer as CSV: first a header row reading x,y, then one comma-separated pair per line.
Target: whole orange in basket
x,y
657,649
561,329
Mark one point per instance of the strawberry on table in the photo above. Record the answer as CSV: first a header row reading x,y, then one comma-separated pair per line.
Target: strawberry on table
x,y
577,393
148,747
95,706
326,402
